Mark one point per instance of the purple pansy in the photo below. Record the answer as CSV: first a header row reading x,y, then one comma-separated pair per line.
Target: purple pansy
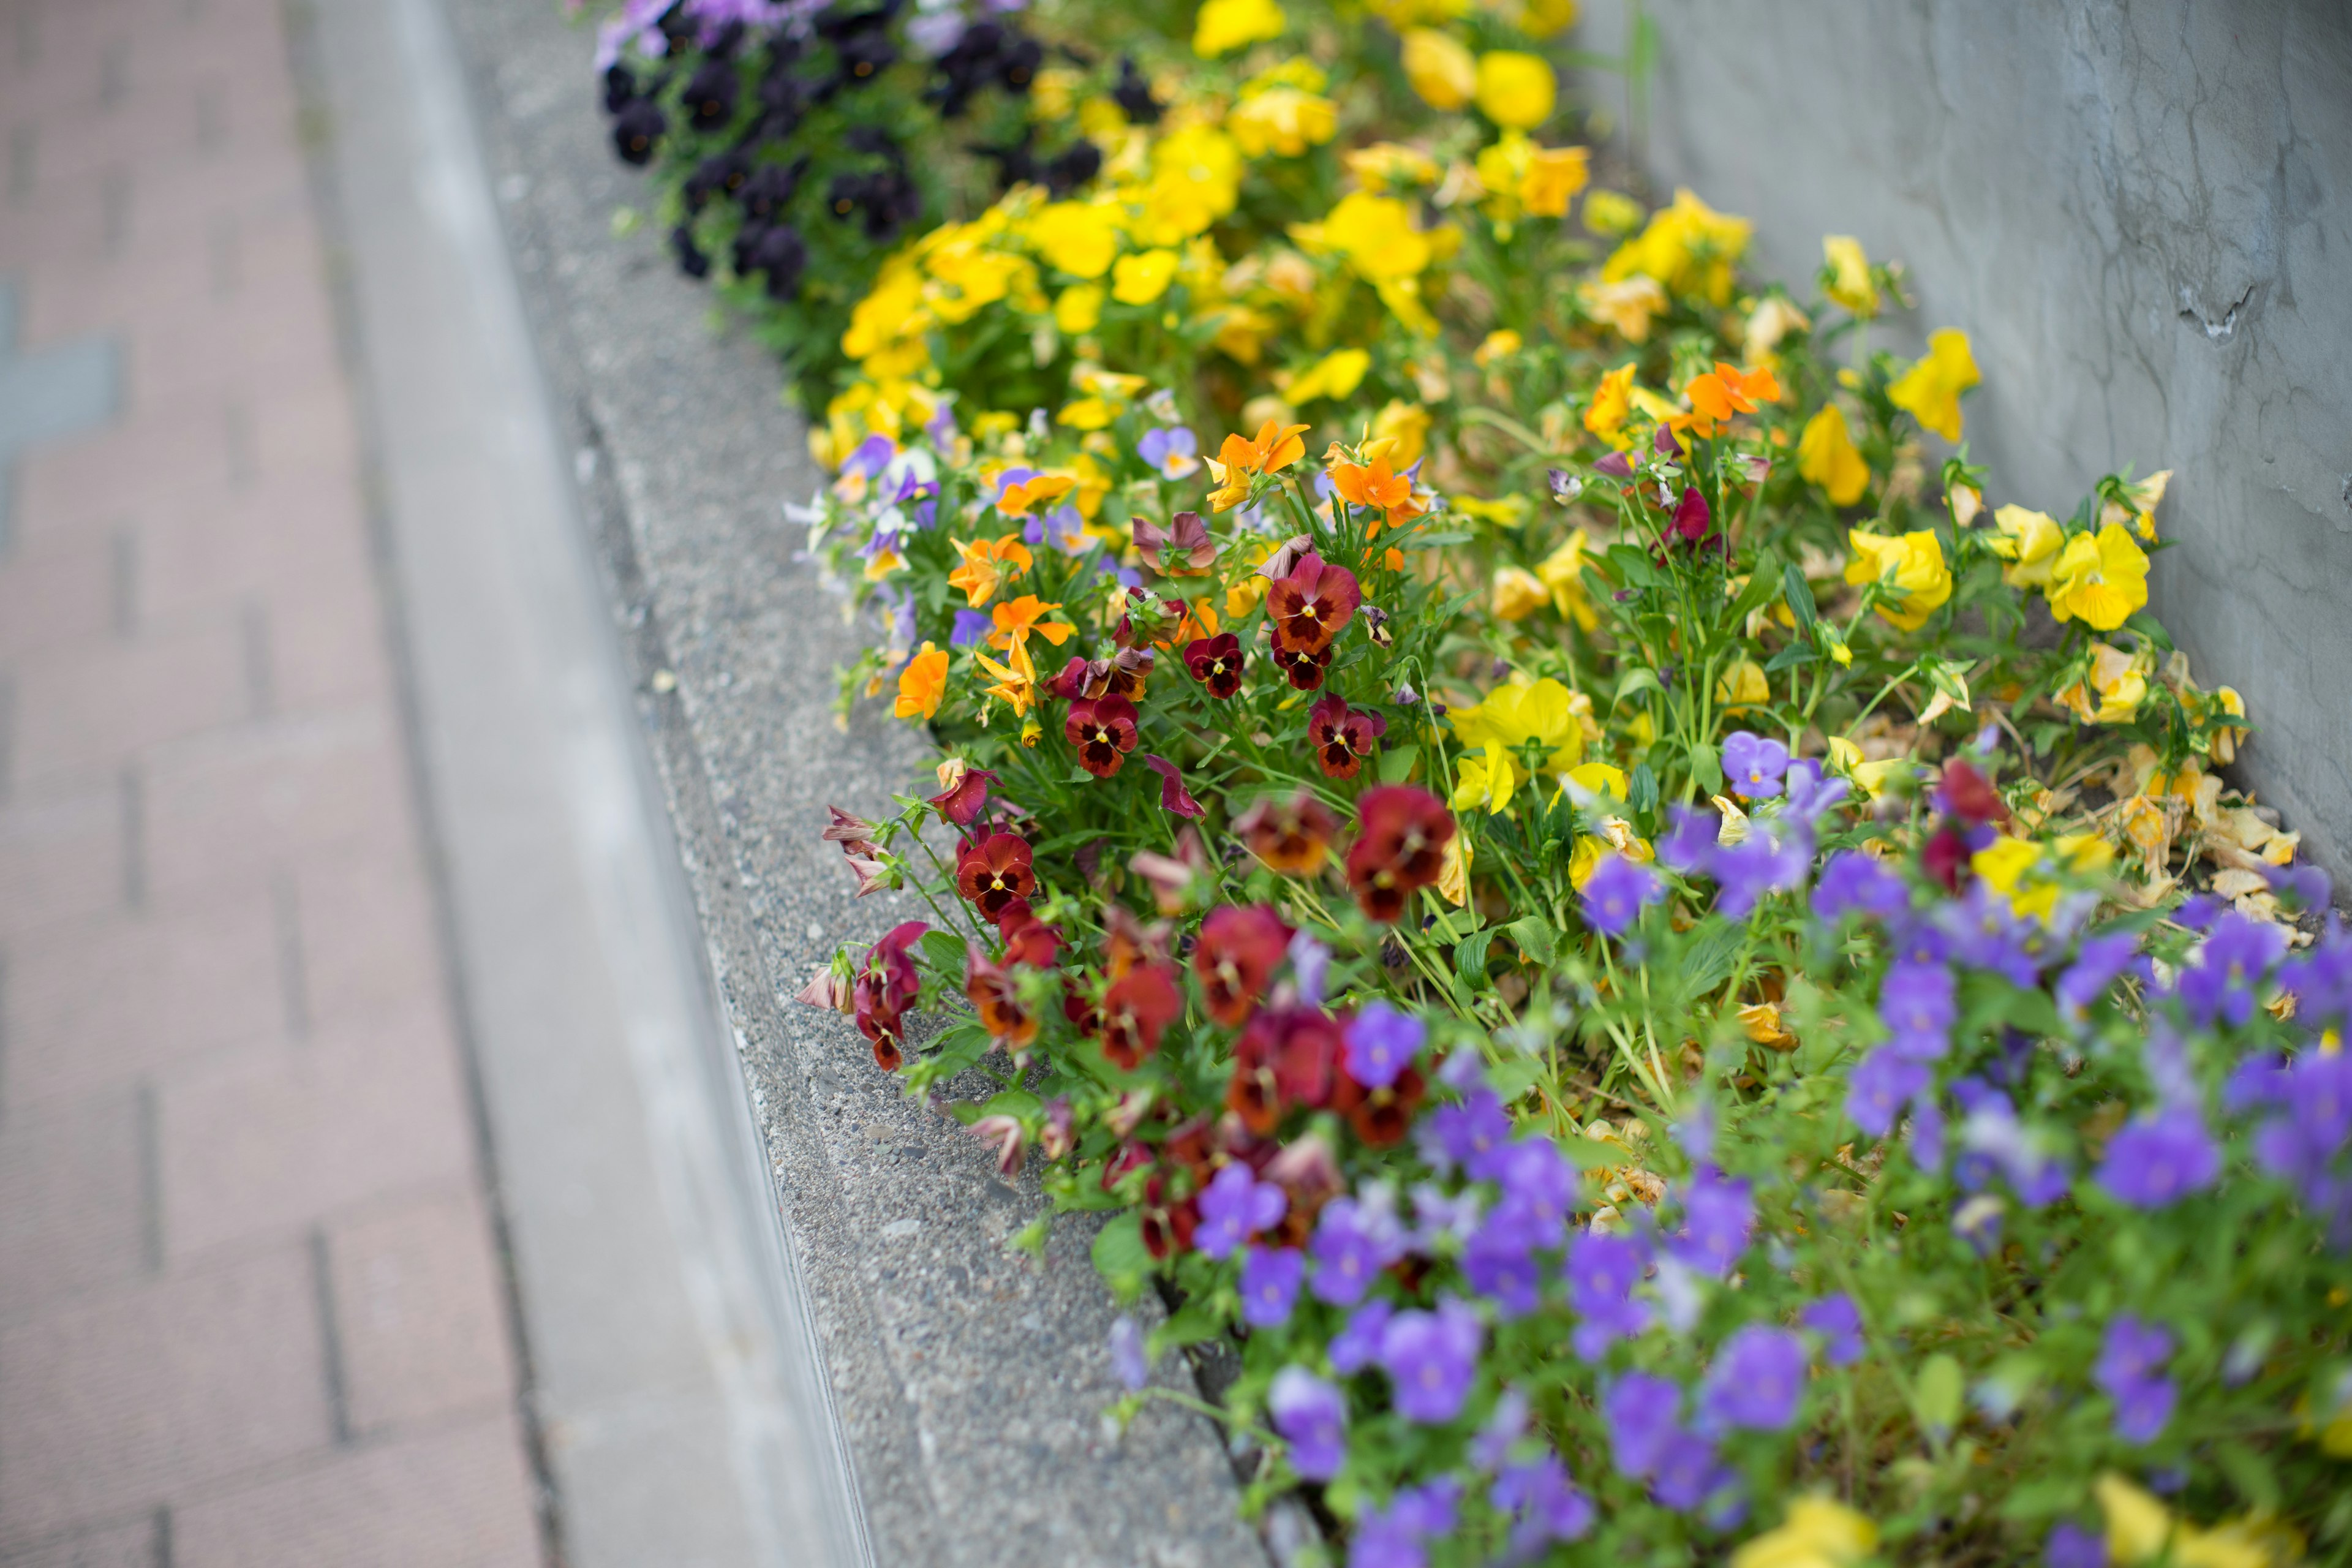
x,y
2098,963
972,628
1918,1002
1465,1134
1759,865
1856,883
1382,1043
1642,1411
1357,1345
1718,1213
1430,1358
1753,764
1758,1379
2130,1371
1883,1082
1270,1277
1351,1248
1617,892
1312,1416
1235,1206
2236,955
1838,1321
1689,844
1544,1503
1501,1267
2158,1160
2071,1546
1602,1273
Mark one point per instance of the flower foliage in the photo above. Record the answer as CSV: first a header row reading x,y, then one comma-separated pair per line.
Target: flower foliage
x,y
1683,986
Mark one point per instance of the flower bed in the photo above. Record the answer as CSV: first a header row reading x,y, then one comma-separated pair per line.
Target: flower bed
x,y
1682,985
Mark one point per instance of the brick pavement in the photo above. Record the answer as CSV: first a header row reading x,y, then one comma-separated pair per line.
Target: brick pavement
x,y
250,1311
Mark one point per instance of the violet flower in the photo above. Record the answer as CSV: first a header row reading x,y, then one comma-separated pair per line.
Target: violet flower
x,y
1641,1411
1758,1379
1882,1083
1312,1416
2156,1161
2130,1371
1357,1345
1544,1504
1430,1358
1617,893
1270,1277
1350,1253
1838,1321
1382,1041
1235,1206
1856,883
1753,764
1128,1357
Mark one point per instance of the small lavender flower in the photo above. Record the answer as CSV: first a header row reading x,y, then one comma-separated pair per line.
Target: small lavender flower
x,y
1310,966
2098,963
1357,1345
1759,865
1690,1474
1856,883
1753,764
1987,936
1617,893
1758,1379
1718,1215
1126,1353
1462,1135
1501,1267
2237,954
1439,1217
1811,794
2071,1546
2130,1371
1642,1411
1429,1358
1839,1323
1602,1273
1392,1537
1312,1416
1506,1426
1689,844
972,628
1883,1082
1926,1130
1235,1206
1170,450
2158,1160
1350,1253
1382,1043
1918,1002
1270,1277
1545,1506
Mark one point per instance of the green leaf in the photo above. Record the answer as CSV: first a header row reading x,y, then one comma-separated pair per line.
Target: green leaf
x,y
1535,938
2042,1500
1707,766
1014,1102
2251,1473
958,1048
1591,1154
1641,790
1438,541
1513,1077
1470,958
1396,764
1800,594
1762,583
944,953
1941,1386
1631,566
1638,679
1119,1254
1194,1323
1708,963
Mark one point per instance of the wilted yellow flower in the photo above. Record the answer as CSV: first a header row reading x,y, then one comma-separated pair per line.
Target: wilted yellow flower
x,y
2030,541
1930,390
2112,688
1225,25
1386,164
1611,212
1515,90
1742,686
1818,1532
1773,319
1519,592
2141,499
1406,427
1689,247
1454,871
1826,455
1563,572
1760,1021
1440,69
1139,279
1284,120
1911,568
1336,374
2101,578
1627,304
1554,175
1849,281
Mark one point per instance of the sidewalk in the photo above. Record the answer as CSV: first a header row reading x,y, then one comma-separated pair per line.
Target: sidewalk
x,y
250,1308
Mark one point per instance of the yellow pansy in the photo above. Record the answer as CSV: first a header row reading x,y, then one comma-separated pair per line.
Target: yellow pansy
x,y
1439,68
1514,89
2140,1528
1336,374
1612,404
1498,344
1286,118
1079,308
1225,25
2030,541
1563,572
1076,237
1598,779
1386,164
1818,1532
2138,508
1826,455
1541,715
1773,319
1911,568
1689,247
1405,426
1487,779
1849,275
1140,280
1543,18
1195,180
2103,578
1377,237
2112,688
1519,592
1742,686
1554,175
1930,390
921,684
2003,864
1626,305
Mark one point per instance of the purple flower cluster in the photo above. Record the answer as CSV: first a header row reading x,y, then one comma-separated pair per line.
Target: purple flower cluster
x,y
1856,883
1382,1043
1602,1273
1270,1279
1312,1416
2237,955
1758,1380
1353,1242
1430,1358
1544,1504
2303,1138
1650,1442
1997,1142
1393,1537
1838,1321
1718,1217
1235,1206
2130,1371
2156,1161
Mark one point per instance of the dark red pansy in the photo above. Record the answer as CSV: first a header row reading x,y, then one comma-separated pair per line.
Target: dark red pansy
x,y
1239,950
989,991
843,828
961,801
1341,736
1167,1225
1286,1057
1102,729
884,988
993,871
1401,846
1946,857
1136,1010
1080,1009
1132,1155
1302,670
1028,939
1380,1117
1289,832
1308,608
1173,796
1969,795
1217,663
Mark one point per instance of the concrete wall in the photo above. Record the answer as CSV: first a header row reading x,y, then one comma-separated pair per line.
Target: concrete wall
x,y
2142,214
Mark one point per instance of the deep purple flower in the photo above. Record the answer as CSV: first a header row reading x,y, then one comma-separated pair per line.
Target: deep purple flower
x,y
1538,1185
2099,963
1753,764
2130,1371
1996,1140
1602,1273
1759,865
1544,1503
1854,882
1758,1379
2229,969
1351,1250
1270,1277
1464,1134
2071,1546
1718,1215
1689,844
2158,1160
1235,1206
1429,1358
1989,937
1617,892
1882,1083
1126,1353
1382,1043
1642,1411
1918,1002
1312,1416
1501,1267
1839,1323
1926,1130
1616,464
1358,1345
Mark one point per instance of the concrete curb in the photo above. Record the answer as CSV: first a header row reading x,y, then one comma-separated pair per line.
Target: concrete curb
x,y
968,1382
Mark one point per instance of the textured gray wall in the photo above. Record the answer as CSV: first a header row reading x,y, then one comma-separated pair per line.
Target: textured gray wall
x,y
2142,215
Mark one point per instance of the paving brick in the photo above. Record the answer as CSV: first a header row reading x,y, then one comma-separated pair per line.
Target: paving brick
x,y
94,1006
63,593
456,1499
90,709
290,538
265,1142
328,651
61,856
117,1403
225,811
93,482
418,1308
367,932
137,1544
214,347
73,1201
